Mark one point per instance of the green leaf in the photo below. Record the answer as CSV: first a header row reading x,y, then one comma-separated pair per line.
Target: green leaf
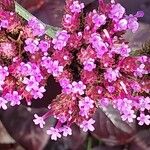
x,y
50,30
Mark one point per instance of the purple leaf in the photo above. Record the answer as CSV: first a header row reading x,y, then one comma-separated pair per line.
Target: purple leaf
x,y
110,128
18,121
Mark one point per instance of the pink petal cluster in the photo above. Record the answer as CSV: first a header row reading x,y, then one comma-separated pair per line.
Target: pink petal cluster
x,y
99,70
89,58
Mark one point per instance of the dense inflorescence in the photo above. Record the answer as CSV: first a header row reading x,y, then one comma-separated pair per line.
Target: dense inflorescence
x,y
22,47
90,60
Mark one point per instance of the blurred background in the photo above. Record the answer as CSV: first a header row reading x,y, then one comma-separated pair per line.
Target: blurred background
x,y
17,131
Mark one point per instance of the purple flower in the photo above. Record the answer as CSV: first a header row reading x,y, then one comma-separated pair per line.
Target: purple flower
x,y
39,120
61,40
87,125
140,71
3,103
111,75
38,28
132,23
144,103
123,50
104,102
54,133
32,46
66,86
31,83
78,87
44,46
89,64
3,73
76,7
38,92
128,115
56,69
4,24
98,44
66,130
98,20
110,89
14,98
68,18
143,119
24,69
116,12
121,25
86,103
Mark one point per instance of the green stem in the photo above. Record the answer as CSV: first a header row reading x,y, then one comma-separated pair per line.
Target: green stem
x,y
89,144
50,30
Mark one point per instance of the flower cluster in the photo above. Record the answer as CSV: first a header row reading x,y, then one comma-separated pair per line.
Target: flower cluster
x,y
97,68
22,48
90,60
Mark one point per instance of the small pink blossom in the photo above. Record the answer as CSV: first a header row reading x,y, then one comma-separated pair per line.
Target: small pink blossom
x,y
143,119
144,103
117,11
38,92
44,45
76,7
39,120
89,64
78,87
66,130
60,40
55,133
31,83
87,125
38,28
111,75
128,115
99,20
31,46
3,103
14,98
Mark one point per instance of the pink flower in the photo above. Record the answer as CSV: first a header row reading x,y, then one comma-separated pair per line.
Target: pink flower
x,y
55,69
89,64
4,24
66,130
76,7
116,12
143,119
121,25
14,98
123,50
128,115
87,125
132,23
99,20
38,92
111,75
31,83
44,45
86,103
55,133
60,40
98,44
144,103
39,120
38,28
68,19
3,73
78,87
3,103
32,46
